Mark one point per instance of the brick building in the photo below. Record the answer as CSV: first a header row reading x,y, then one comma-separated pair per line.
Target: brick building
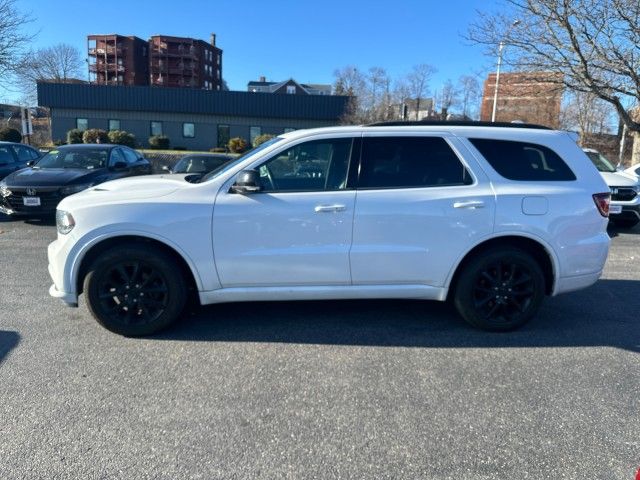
x,y
532,97
185,62
162,61
118,60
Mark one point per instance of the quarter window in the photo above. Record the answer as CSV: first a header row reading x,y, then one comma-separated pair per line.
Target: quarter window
x,y
402,162
523,161
313,166
188,130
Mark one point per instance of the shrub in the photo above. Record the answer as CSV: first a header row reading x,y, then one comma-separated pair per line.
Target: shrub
x,y
120,137
159,142
8,134
74,136
260,139
218,150
237,145
95,135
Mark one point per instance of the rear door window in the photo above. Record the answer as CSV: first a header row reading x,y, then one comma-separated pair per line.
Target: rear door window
x,y
404,162
523,161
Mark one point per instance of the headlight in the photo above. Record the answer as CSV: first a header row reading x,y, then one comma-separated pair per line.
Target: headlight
x,y
71,189
4,191
64,222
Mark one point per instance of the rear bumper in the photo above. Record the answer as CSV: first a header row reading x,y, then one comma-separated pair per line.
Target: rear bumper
x,y
569,284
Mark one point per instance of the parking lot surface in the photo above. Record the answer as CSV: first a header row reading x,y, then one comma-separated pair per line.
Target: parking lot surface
x,y
349,389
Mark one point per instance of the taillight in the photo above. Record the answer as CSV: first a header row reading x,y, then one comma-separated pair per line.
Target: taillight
x,y
603,200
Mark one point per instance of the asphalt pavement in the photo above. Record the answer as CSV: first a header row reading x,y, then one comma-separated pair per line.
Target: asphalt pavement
x,y
297,390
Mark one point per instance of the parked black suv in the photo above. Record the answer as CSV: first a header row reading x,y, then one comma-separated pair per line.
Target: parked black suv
x,y
37,189
14,156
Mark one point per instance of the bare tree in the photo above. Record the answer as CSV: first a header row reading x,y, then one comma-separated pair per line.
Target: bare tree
x,y
59,63
448,98
469,89
351,82
592,45
587,114
13,39
418,83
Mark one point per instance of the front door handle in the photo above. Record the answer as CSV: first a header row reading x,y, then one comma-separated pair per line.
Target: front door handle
x,y
473,204
330,208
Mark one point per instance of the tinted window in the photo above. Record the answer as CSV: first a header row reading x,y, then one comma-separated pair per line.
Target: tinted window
x,y
523,161
310,166
116,156
398,162
88,158
129,155
25,153
5,156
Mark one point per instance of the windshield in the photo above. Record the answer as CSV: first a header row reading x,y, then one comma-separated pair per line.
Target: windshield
x,y
601,163
227,166
199,164
85,158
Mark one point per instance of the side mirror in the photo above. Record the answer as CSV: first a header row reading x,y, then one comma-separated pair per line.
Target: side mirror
x,y
247,181
165,168
119,165
31,163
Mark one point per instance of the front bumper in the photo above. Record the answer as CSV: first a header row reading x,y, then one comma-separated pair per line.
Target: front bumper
x,y
57,254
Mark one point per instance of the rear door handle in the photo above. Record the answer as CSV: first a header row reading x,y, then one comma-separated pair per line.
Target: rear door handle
x,y
473,204
330,208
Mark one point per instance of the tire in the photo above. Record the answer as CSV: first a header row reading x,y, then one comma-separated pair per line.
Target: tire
x,y
500,289
136,290
625,222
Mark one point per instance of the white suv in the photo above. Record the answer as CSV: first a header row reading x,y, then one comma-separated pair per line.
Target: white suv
x,y
492,217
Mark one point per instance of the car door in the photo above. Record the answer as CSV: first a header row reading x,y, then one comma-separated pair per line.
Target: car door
x,y
419,206
297,229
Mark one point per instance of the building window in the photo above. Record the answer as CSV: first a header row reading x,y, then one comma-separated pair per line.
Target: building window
x,y
156,128
291,89
224,134
82,124
254,132
114,125
188,130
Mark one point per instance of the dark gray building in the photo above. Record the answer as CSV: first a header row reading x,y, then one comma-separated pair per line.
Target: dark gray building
x,y
194,119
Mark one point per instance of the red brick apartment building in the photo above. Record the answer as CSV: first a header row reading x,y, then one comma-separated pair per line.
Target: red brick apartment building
x,y
532,97
162,61
185,62
118,60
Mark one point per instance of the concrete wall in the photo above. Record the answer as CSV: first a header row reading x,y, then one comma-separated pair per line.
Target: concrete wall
x,y
206,126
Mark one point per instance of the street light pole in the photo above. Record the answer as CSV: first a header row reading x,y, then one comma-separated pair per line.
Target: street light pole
x,y
495,92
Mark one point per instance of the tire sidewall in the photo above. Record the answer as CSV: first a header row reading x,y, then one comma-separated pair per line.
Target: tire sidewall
x,y
165,265
463,295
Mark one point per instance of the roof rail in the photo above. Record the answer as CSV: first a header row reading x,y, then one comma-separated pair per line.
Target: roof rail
x,y
455,123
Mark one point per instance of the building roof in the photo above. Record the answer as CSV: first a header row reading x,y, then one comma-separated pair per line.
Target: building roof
x,y
185,100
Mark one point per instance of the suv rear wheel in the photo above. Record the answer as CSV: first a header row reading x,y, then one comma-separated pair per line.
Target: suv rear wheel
x,y
135,290
500,289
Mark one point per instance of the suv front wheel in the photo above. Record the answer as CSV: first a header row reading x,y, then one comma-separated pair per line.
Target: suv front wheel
x,y
500,289
135,290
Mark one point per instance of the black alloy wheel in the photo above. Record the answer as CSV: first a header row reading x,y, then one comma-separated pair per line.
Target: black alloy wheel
x,y
500,289
135,290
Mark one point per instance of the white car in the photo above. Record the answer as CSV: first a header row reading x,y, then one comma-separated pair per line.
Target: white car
x,y
634,170
624,210
492,217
